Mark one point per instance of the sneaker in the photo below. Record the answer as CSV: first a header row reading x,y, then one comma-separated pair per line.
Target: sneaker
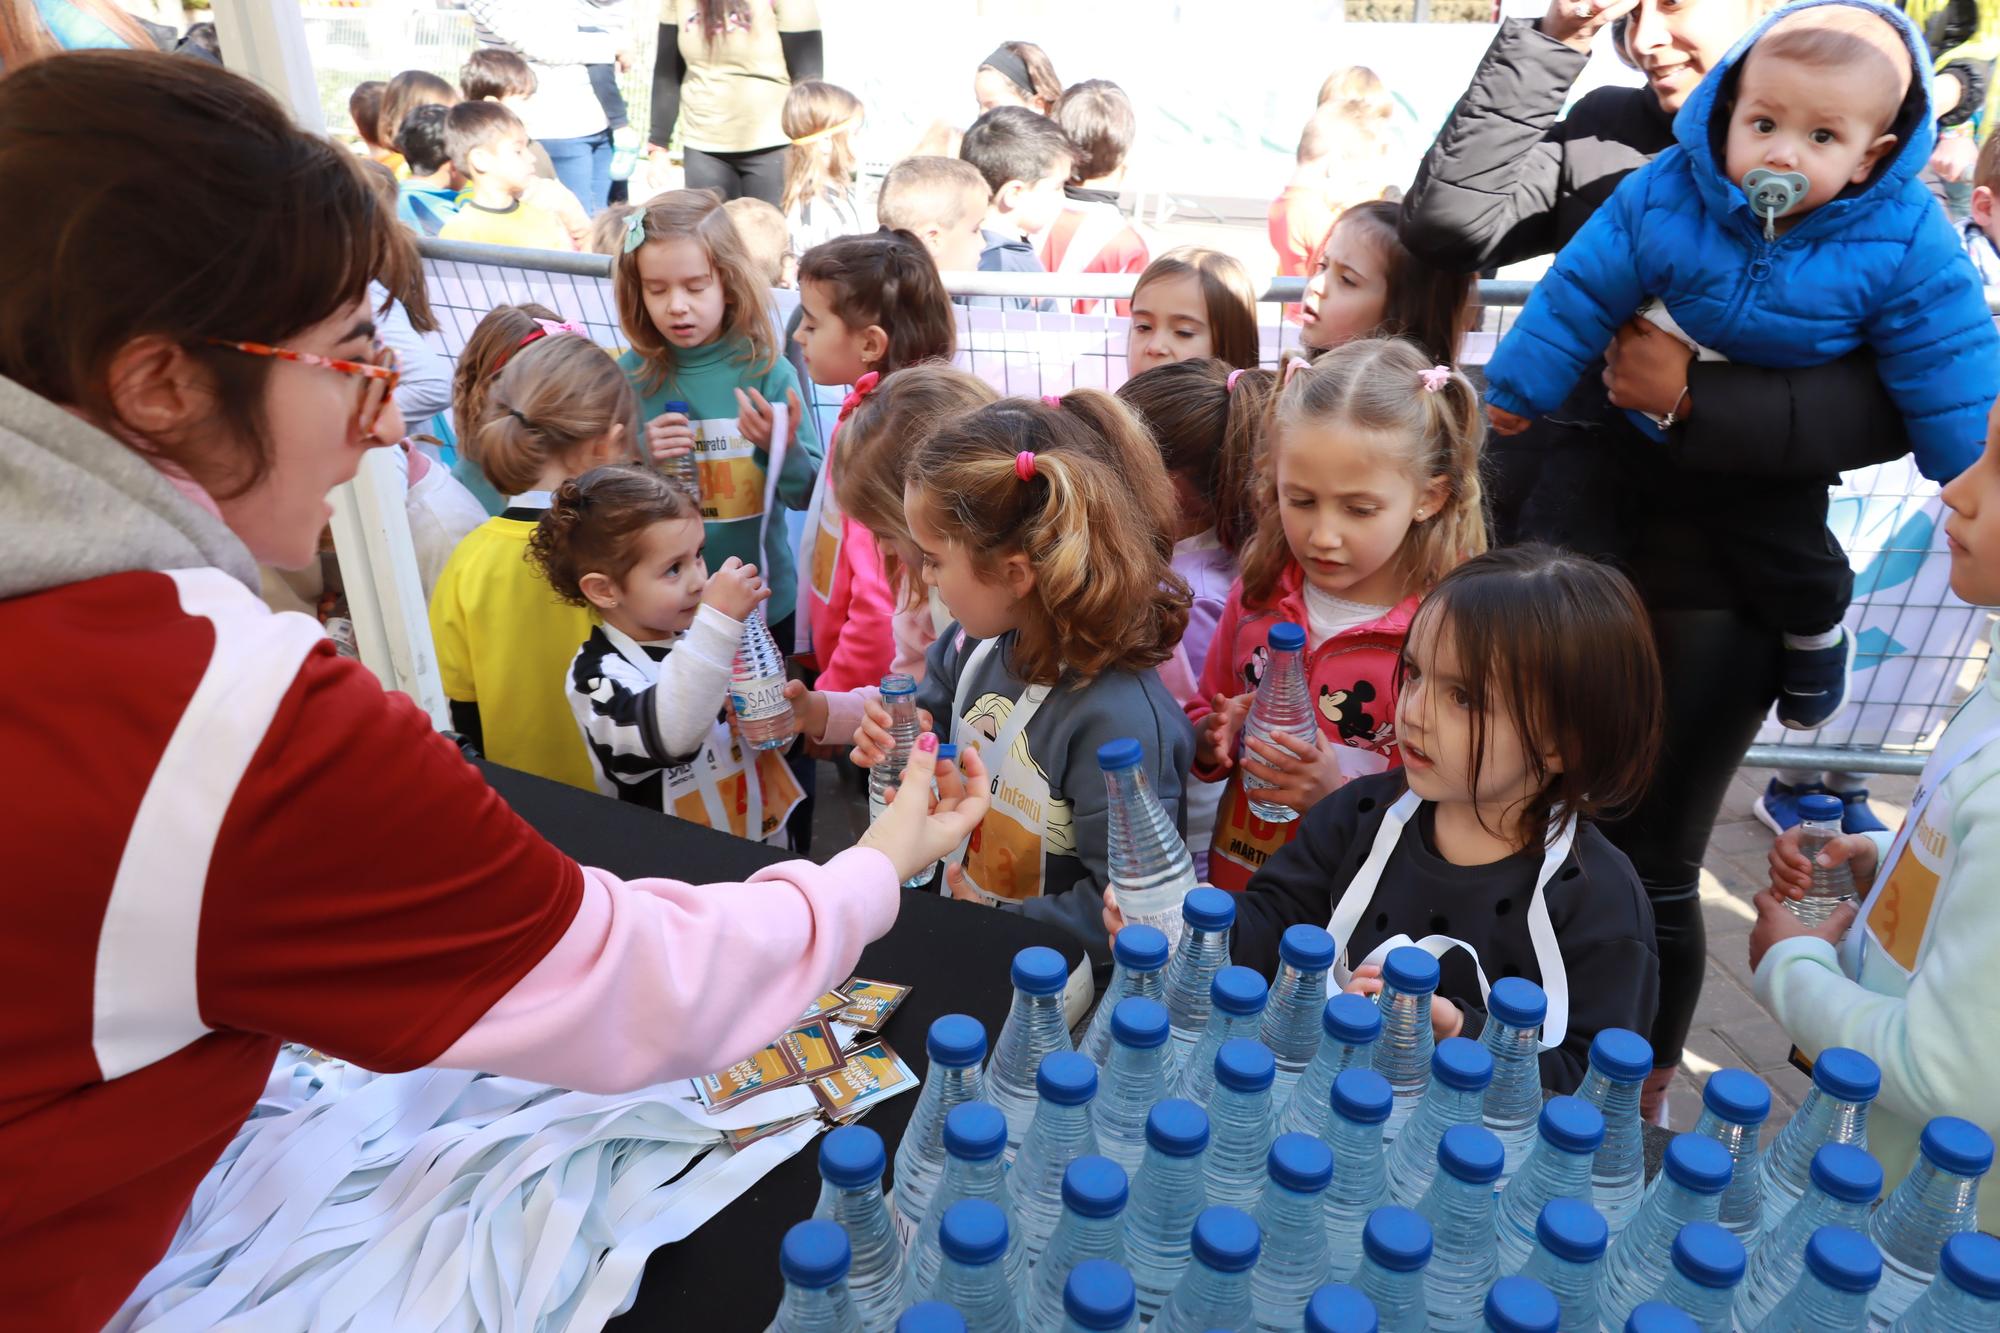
x,y
1778,808
1812,684
1856,815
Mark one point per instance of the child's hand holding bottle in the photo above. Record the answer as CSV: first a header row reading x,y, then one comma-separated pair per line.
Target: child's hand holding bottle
x,y
736,589
1446,1020
1215,742
669,435
1300,772
872,741
809,707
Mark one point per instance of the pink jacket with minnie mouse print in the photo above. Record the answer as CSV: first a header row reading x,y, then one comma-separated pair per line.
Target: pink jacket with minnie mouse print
x,y
1352,677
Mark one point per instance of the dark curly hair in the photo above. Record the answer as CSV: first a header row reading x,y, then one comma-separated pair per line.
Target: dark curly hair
x,y
593,524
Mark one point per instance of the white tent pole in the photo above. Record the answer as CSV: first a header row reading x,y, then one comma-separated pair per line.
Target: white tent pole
x,y
266,40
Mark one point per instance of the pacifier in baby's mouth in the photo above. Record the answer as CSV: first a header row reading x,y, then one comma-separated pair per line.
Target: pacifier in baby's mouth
x,y
1773,194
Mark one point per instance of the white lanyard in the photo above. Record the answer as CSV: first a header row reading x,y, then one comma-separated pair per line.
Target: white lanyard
x,y
699,768
532,500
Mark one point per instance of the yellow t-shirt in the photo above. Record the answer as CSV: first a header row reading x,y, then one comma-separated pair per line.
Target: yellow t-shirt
x,y
733,88
505,642
524,225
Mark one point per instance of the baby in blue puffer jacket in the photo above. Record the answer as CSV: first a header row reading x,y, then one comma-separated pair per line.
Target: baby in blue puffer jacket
x,y
1785,228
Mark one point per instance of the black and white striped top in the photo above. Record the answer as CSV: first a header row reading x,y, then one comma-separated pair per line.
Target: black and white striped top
x,y
646,709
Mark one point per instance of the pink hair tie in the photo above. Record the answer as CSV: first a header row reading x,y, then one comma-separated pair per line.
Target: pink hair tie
x,y
1053,400
1024,465
863,386
1234,376
1435,378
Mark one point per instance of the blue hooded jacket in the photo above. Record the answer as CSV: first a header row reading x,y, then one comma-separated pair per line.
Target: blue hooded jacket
x,y
1878,264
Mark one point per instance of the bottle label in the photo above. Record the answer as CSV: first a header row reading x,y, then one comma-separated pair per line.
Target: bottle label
x,y
755,700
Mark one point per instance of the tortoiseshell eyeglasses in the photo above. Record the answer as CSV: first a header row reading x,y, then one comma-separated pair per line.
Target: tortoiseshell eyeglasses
x,y
379,373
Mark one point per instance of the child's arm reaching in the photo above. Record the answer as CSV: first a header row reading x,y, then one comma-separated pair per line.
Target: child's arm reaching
x,y
1300,882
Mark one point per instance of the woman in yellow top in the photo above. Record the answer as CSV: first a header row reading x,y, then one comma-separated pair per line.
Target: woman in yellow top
x,y
723,69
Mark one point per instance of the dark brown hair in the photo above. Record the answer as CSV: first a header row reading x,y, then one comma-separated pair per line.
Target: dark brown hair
x,y
402,267
1012,143
488,348
364,107
1225,290
492,72
594,522
406,92
471,125
1097,116
717,15
25,37
1207,432
698,216
1043,85
1430,306
74,287
887,279
1561,645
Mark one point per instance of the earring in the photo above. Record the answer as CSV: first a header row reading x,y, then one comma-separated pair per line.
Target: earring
x,y
1420,516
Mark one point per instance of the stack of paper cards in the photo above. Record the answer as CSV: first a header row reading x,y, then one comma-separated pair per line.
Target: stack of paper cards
x,y
833,1049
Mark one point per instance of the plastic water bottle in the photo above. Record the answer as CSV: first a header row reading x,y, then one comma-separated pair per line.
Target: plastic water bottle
x,y
1688,1189
1835,1111
1842,1268
684,469
1060,1133
1092,1227
1558,1167
851,1161
1348,1027
1360,1107
973,1273
1568,1259
1148,862
1292,1019
1965,1298
1936,1201
1283,707
1819,824
764,715
956,1045
625,148
1237,999
1098,1298
1459,1207
1395,1248
1202,950
1167,1195
1339,1308
1521,1305
1139,967
1403,1053
1707,1265
1841,1189
1619,1062
1035,1027
1659,1317
813,1259
974,1136
1239,1122
1734,1105
899,696
1515,1008
1214,1291
1134,1078
1460,1072
1292,1218
931,1317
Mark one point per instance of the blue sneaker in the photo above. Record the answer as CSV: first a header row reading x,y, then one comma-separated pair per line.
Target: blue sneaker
x,y
1778,808
1812,684
1856,815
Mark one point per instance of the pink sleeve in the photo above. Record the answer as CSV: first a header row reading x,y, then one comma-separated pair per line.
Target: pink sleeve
x,y
843,714
656,979
861,642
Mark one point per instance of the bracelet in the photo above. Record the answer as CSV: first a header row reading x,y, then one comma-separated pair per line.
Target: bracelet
x,y
1673,416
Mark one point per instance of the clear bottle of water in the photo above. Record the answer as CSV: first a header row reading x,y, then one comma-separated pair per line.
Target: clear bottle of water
x,y
1659,1317
1060,1133
1568,1258
1734,1106
1835,1111
1168,1193
1349,1025
1292,1019
1459,1207
1936,1201
1207,914
1395,1248
1819,824
1292,1217
1035,1027
1146,859
1283,707
1557,1167
1098,1297
851,1161
974,1136
764,715
1139,967
1214,1291
684,469
1461,1070
931,1317
1841,1269
1339,1308
1403,1052
973,1274
1360,1107
813,1259
1092,1227
1965,1297
1515,1008
1688,1189
1841,1189
1619,1062
1134,1078
1707,1266
1521,1305
1239,1121
899,696
1237,999
956,1045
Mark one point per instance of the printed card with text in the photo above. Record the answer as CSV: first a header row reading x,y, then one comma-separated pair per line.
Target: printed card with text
x,y
874,1073
830,1003
813,1049
870,1003
771,1067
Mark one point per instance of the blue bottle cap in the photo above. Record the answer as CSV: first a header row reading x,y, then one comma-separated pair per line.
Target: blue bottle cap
x,y
1243,1065
1572,1125
1140,949
1821,808
1099,1295
1397,1239
676,405
1239,990
1308,948
1471,1153
1410,970
973,1232
1351,1020
1971,1262
1847,1075
1208,909
975,1131
1738,1096
814,1255
851,1157
1517,1002
1462,1064
1846,1172
1040,970
1521,1305
1225,1239
1362,1096
1571,1229
1301,1163
1177,1127
931,1317
1621,1055
1339,1308
1066,1078
1706,1254
1139,1023
1698,1164
1286,637
1094,1186
946,750
1659,1317
897,683
1957,1146
1125,752
956,1041
1844,1259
